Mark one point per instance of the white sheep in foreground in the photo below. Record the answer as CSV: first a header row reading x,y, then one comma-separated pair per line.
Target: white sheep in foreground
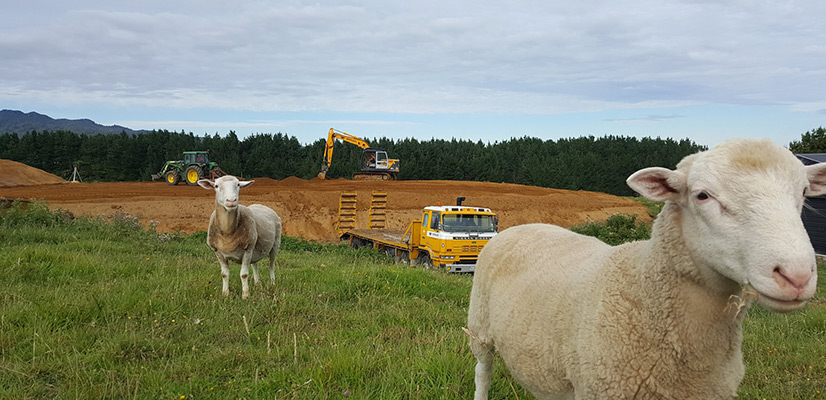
x,y
241,234
574,318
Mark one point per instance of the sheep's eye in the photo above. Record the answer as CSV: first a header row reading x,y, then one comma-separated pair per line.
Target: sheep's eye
x,y
702,196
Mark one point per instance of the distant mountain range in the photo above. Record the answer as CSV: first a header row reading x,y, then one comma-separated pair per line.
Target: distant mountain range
x,y
13,121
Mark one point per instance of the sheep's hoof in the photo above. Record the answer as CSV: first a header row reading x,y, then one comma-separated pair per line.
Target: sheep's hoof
x,y
225,293
245,295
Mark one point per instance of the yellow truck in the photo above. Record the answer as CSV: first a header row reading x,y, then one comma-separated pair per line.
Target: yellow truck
x,y
449,237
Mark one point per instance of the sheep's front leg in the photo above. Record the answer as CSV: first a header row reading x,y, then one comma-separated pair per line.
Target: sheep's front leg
x,y
245,273
224,273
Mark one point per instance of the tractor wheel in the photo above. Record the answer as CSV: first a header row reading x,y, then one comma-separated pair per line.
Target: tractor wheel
x,y
192,174
172,178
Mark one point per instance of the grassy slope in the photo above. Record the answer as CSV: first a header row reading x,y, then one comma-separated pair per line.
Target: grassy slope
x,y
104,310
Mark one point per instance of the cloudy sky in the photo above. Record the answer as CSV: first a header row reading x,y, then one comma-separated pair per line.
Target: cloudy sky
x,y
699,69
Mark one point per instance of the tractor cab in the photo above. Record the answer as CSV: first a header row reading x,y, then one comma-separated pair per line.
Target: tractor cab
x,y
196,157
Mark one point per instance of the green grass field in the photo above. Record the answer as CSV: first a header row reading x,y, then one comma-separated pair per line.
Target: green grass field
x,y
93,308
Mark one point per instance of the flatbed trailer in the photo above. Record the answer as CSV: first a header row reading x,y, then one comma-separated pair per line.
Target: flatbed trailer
x,y
395,243
451,237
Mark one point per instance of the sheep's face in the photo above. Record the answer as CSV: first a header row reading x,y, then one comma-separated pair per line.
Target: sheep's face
x,y
741,205
226,190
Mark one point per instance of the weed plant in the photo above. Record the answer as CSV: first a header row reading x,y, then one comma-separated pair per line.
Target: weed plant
x,y
100,308
617,229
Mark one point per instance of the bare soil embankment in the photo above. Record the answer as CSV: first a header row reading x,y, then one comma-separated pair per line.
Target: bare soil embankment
x,y
309,208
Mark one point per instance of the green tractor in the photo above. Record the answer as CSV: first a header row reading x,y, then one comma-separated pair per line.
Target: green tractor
x,y
194,166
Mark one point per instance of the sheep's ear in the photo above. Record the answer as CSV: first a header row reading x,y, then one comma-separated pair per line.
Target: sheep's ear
x,y
206,184
817,179
658,184
246,183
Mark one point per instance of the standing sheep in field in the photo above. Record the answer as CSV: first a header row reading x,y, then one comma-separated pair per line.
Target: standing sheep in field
x,y
241,234
574,318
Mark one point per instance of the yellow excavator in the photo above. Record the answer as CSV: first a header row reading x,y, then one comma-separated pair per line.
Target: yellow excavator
x,y
375,166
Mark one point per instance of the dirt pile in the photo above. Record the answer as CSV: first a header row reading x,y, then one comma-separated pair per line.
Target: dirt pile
x,y
309,208
13,173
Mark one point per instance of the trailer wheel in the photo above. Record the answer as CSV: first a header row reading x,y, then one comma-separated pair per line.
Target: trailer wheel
x,y
403,257
357,242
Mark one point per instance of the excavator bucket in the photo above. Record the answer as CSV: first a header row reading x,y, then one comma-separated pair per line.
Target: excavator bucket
x,y
323,174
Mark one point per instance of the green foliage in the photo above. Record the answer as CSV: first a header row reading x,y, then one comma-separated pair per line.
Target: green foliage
x,y
93,308
586,163
617,229
813,141
37,213
654,207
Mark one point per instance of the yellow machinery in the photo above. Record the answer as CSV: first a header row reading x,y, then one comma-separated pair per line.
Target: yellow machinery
x,y
374,162
449,237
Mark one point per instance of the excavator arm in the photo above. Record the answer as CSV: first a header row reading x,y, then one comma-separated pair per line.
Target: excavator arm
x,y
328,148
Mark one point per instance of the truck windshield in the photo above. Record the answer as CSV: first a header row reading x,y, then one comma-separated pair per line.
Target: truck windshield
x,y
468,223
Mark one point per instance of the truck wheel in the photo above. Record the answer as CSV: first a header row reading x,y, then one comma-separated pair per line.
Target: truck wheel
x,y
425,261
192,174
172,178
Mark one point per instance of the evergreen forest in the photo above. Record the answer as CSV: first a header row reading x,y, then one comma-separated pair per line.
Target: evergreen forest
x,y
813,141
586,163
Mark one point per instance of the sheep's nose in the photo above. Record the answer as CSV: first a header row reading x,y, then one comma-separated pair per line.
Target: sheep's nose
x,y
798,279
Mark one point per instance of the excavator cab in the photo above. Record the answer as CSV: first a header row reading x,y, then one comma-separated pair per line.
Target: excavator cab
x,y
374,159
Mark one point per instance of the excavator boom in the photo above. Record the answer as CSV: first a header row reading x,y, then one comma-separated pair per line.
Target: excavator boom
x,y
331,141
375,165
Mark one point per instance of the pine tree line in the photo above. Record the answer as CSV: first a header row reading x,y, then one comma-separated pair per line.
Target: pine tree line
x,y
585,163
813,141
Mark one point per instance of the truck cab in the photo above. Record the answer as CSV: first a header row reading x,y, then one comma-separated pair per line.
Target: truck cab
x,y
448,237
452,236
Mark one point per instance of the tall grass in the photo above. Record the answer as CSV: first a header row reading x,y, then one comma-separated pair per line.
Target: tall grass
x,y
99,308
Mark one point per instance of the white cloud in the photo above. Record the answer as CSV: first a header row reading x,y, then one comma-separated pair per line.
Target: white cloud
x,y
420,57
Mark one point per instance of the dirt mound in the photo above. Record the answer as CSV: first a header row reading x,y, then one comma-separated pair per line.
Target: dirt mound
x,y
292,180
309,208
13,173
